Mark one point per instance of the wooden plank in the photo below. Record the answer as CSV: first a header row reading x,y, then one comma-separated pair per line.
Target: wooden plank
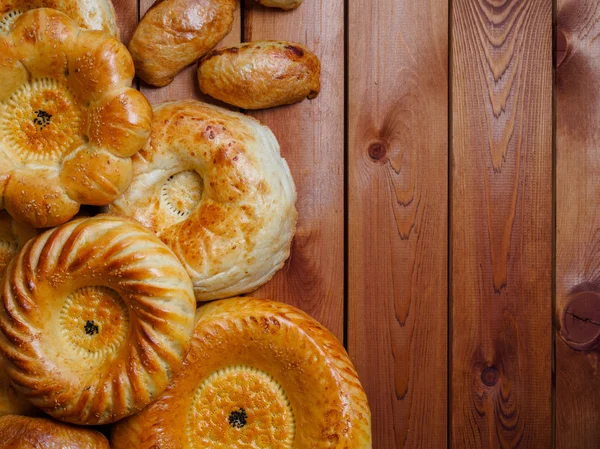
x,y
577,224
127,14
397,217
501,224
185,84
311,135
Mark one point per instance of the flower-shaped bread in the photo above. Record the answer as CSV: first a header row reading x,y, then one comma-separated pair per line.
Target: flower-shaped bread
x,y
69,120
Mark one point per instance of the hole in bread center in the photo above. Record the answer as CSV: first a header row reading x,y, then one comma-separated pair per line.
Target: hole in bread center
x,y
41,121
95,320
240,404
182,192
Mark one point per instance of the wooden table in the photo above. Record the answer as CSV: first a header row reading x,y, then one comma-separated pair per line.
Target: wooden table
x,y
449,204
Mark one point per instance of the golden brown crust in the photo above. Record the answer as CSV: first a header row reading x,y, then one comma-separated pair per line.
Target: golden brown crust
x,y
69,120
258,372
212,184
97,316
175,33
11,401
89,14
260,74
13,236
283,4
19,432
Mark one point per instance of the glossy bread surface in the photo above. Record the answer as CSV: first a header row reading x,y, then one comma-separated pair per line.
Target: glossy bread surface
x,y
260,74
97,316
259,374
213,186
283,4
175,33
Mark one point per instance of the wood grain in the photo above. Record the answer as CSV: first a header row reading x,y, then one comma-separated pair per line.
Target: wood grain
x,y
501,223
578,225
397,217
311,135
185,84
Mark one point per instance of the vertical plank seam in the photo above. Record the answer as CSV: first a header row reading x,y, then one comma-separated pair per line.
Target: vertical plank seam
x,y
139,10
346,183
449,237
553,265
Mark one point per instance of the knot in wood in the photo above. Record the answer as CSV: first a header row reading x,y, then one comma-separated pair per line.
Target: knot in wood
x,y
377,150
581,321
489,376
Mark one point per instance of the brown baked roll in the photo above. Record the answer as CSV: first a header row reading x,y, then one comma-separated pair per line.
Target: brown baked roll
x,y
20,432
69,120
260,74
283,4
212,185
259,374
89,14
97,317
175,33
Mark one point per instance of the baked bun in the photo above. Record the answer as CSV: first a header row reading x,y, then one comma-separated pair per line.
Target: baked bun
x,y
69,121
175,33
20,432
13,236
97,317
259,374
212,185
260,74
11,401
89,14
283,4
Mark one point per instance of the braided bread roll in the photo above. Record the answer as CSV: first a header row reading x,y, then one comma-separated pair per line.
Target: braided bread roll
x,y
259,374
19,432
97,317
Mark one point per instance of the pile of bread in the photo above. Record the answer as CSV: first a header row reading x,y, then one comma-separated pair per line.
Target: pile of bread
x,y
185,204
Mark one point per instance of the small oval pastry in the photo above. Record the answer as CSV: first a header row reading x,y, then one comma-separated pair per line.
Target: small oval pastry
x,y
283,4
259,374
20,432
260,74
69,120
175,33
212,185
97,316
89,14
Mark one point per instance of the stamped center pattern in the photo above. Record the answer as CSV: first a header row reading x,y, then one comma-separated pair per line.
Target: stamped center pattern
x,y
182,192
240,407
95,321
41,121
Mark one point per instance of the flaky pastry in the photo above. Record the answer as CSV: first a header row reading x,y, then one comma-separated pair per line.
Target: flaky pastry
x,y
213,186
96,319
20,432
259,374
89,14
69,121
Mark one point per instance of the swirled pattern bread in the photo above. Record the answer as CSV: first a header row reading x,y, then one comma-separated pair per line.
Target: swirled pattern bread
x,y
20,432
283,4
260,74
175,33
13,236
259,374
212,184
11,401
69,120
97,316
89,14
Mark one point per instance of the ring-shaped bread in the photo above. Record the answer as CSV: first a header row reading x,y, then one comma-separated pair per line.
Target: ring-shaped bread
x,y
20,432
212,185
89,14
259,374
69,120
97,316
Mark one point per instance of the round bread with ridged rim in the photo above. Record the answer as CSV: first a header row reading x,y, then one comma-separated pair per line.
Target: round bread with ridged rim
x,y
20,432
89,14
259,374
69,119
97,317
213,186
